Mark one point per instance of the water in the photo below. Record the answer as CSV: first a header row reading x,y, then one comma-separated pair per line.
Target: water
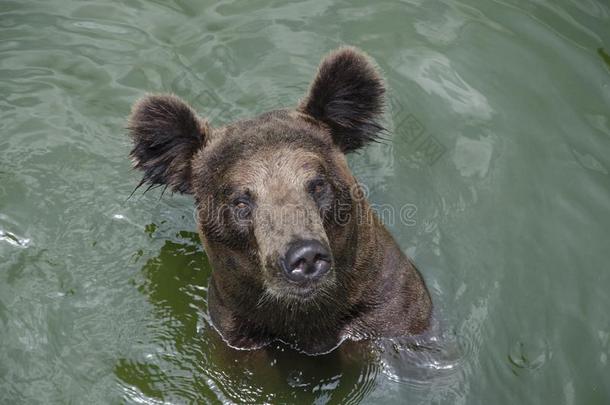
x,y
501,147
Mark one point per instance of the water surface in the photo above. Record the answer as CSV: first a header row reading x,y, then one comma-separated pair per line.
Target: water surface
x,y
500,115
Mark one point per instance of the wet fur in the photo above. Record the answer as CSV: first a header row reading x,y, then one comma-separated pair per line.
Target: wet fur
x,y
373,289
347,95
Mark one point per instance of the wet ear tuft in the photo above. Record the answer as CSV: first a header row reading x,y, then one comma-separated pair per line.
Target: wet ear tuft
x,y
166,134
347,95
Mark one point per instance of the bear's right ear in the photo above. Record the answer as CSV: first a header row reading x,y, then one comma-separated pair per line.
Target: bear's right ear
x,y
347,95
166,134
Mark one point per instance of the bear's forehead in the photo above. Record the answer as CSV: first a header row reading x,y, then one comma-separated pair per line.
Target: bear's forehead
x,y
283,165
273,127
276,141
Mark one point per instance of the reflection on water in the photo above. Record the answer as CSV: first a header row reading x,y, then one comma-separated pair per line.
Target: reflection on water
x,y
191,362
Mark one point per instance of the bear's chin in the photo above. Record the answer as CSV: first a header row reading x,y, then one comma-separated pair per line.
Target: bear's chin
x,y
288,293
301,294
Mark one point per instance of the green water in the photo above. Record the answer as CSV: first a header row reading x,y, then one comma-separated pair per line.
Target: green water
x,y
501,118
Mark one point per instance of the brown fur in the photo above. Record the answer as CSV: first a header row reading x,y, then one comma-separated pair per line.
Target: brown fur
x,y
260,184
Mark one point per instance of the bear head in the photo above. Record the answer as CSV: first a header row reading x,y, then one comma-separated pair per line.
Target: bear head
x,y
279,212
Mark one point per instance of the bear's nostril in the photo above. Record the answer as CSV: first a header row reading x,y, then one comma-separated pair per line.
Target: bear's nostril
x,y
299,265
306,260
322,266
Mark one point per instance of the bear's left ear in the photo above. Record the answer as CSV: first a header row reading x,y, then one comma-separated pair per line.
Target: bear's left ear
x,y
166,134
348,96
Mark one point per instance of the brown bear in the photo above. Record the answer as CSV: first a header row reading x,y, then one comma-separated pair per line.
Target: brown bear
x,y
298,255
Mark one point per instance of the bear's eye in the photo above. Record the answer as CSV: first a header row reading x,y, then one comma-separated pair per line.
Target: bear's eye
x,y
242,209
317,187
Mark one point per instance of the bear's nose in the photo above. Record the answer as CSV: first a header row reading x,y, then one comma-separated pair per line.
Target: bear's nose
x,y
306,260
